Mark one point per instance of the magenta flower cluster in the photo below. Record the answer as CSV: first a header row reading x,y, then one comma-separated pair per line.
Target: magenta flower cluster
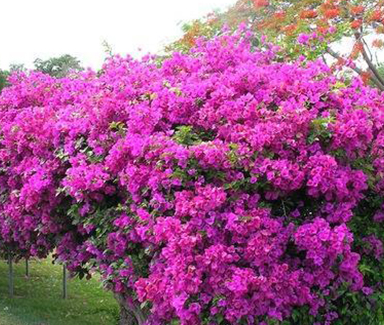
x,y
215,186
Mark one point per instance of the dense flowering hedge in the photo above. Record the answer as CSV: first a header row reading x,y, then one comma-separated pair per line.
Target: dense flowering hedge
x,y
218,187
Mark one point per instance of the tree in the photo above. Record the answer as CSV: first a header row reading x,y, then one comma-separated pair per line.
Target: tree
x,y
310,28
5,74
3,79
17,67
220,187
58,66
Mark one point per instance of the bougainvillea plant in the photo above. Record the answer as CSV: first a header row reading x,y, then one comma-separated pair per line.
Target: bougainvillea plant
x,y
313,28
220,187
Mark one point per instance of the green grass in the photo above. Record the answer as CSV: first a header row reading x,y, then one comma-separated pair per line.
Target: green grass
x,y
38,299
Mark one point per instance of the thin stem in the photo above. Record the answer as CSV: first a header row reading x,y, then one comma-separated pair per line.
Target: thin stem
x,y
10,274
65,291
369,50
371,66
375,80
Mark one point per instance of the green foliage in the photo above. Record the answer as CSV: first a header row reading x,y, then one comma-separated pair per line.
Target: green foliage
x,y
4,74
58,66
3,79
320,130
15,67
185,135
188,136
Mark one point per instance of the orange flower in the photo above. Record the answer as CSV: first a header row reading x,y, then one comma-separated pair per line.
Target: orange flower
x,y
365,76
262,25
308,14
356,50
289,29
260,3
340,61
357,9
332,13
321,30
359,46
377,15
279,15
380,29
378,43
356,24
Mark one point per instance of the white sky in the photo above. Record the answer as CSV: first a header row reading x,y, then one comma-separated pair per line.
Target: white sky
x,y
31,29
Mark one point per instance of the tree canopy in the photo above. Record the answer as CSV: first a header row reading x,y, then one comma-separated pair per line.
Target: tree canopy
x,y
308,27
3,79
58,66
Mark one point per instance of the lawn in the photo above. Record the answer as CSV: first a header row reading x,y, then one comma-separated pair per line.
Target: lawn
x,y
38,299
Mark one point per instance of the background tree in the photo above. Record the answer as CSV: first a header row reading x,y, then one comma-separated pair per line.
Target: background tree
x,y
3,79
14,67
313,28
4,74
58,66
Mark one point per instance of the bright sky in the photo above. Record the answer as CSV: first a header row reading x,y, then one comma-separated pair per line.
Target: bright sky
x,y
31,29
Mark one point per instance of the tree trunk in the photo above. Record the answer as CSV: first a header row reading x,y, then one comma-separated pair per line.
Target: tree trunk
x,y
130,314
126,318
